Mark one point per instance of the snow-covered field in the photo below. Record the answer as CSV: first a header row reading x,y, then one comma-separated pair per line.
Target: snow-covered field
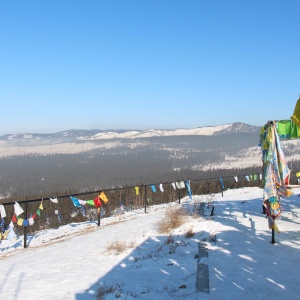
x,y
73,261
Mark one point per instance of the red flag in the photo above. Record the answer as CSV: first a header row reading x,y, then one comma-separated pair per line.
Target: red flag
x,y
97,202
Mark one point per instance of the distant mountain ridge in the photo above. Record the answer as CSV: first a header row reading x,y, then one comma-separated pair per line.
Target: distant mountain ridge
x,y
69,136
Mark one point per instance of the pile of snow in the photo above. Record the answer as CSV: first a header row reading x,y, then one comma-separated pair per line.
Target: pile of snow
x,y
73,261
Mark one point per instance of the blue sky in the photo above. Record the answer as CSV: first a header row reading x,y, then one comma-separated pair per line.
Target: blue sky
x,y
140,64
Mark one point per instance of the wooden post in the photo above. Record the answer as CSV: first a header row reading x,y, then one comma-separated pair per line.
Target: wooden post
x,y
99,215
273,236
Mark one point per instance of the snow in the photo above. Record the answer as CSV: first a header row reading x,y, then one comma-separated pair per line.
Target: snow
x,y
207,130
73,261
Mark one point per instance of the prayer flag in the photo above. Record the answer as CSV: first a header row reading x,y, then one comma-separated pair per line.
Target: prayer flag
x,y
81,202
137,190
161,188
11,235
153,188
189,189
181,184
103,197
2,211
296,116
20,222
54,200
97,202
75,201
18,209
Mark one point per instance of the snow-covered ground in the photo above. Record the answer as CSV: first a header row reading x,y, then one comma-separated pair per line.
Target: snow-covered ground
x,y
73,261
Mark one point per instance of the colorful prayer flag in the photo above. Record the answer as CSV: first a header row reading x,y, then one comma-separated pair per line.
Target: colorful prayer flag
x,y
18,209
75,201
54,200
103,197
161,188
2,211
137,190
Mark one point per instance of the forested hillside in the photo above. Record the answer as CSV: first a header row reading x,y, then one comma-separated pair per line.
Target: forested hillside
x,y
132,162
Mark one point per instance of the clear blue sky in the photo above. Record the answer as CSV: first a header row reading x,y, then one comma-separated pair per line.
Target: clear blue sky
x,y
124,64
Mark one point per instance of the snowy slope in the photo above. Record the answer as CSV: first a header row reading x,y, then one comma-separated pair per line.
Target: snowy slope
x,y
72,262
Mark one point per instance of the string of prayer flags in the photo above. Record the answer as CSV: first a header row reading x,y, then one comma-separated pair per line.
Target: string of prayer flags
x,y
153,188
161,188
103,197
2,211
18,209
137,190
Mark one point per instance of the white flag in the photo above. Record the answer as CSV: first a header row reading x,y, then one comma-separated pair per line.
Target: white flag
x,y
161,187
31,221
18,208
54,200
2,211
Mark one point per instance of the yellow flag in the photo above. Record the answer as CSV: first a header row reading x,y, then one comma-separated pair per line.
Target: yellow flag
x,y
41,206
296,116
274,226
20,222
103,197
137,190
